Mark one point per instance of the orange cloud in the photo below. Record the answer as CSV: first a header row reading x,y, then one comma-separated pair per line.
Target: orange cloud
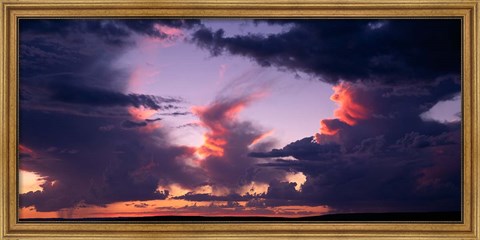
x,y
150,127
325,129
261,137
141,113
349,110
212,146
216,118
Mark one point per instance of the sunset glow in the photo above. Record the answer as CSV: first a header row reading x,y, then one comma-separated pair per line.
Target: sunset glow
x,y
30,182
349,110
141,113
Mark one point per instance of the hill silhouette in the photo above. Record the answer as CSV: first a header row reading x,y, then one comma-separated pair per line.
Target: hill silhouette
x,y
343,217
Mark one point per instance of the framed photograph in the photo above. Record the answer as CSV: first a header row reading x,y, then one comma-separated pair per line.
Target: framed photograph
x,y
236,119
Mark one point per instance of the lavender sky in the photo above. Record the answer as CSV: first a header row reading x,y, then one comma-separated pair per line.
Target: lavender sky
x,y
238,117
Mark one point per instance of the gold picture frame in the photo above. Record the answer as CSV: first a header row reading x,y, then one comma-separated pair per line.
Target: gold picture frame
x,y
12,10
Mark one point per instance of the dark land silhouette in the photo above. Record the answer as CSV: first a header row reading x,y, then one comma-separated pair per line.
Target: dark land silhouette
x,y
343,217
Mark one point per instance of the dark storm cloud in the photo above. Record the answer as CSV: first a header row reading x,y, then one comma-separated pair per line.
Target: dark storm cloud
x,y
72,97
57,71
69,95
415,140
108,166
66,66
208,197
282,191
278,194
152,120
112,32
229,208
389,160
100,97
132,124
302,149
84,49
415,173
390,51
55,197
395,116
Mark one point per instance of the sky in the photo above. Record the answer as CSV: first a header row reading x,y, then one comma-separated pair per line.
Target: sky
x,y
238,117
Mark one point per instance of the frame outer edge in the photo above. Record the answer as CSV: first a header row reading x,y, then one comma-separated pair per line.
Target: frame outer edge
x,y
246,2
6,117
476,118
475,73
3,124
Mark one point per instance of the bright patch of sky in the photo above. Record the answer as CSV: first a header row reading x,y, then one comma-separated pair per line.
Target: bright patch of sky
x,y
445,111
292,107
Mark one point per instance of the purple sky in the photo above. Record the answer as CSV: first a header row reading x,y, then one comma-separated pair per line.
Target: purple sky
x,y
162,73
161,68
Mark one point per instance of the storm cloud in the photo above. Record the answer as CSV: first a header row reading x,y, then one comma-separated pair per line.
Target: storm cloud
x,y
377,153
72,97
112,32
388,51
227,141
